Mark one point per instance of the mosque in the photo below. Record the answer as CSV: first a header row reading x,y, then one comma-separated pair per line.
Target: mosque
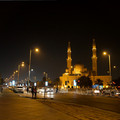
x,y
68,79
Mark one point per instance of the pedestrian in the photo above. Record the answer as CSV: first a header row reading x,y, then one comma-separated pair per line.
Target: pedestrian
x,y
27,89
35,91
56,90
0,89
32,90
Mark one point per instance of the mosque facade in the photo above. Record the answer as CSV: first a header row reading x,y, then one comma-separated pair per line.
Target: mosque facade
x,y
73,73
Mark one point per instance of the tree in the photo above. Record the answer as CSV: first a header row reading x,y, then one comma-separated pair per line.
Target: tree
x,y
99,82
84,82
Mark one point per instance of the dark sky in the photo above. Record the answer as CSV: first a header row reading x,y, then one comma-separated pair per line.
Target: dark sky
x,y
49,26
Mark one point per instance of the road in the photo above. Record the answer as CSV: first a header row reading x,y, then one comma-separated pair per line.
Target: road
x,y
104,103
14,107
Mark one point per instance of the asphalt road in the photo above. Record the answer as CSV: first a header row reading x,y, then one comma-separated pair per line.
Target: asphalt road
x,y
105,103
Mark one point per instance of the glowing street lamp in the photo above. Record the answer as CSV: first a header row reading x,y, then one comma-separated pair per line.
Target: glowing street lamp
x,y
18,71
36,50
114,67
105,53
23,64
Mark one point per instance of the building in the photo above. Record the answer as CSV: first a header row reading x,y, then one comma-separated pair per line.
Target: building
x,y
71,75
94,76
68,79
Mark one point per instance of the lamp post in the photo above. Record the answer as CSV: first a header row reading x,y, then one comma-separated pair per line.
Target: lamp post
x,y
18,71
36,50
105,53
45,75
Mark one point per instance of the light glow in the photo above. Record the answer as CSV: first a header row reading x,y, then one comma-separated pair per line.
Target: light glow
x,y
13,83
22,65
74,83
107,86
46,83
104,53
114,67
96,91
35,84
36,50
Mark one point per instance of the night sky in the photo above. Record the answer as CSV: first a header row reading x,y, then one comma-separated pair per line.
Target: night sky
x,y
49,26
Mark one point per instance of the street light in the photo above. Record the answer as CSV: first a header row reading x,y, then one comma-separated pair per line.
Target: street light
x,y
18,71
105,53
45,75
114,67
36,50
23,64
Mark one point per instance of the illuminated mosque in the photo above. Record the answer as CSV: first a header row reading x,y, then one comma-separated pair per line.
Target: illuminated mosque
x,y
68,79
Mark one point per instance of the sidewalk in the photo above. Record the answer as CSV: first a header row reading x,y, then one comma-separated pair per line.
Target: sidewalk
x,y
13,107
79,112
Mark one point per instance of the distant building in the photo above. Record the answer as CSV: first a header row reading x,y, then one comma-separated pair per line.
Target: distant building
x,y
71,75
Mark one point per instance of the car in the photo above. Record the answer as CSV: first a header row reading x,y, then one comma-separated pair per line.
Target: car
x,y
109,92
47,90
18,89
96,91
106,91
117,93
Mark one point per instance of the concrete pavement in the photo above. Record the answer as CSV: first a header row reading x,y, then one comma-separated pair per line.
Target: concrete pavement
x,y
13,107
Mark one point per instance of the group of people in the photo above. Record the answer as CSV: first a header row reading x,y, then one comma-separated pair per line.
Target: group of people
x,y
33,91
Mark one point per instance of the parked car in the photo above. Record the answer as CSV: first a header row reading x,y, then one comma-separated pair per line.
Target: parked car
x,y
109,91
117,93
106,91
96,91
18,89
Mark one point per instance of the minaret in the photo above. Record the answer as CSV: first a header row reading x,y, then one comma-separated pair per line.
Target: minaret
x,y
94,59
69,60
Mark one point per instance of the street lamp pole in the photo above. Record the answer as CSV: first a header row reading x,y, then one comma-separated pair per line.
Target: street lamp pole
x,y
110,67
110,74
29,66
18,73
36,50
19,70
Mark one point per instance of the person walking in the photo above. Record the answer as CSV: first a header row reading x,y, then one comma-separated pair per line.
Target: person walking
x,y
56,90
0,89
27,89
35,91
32,91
